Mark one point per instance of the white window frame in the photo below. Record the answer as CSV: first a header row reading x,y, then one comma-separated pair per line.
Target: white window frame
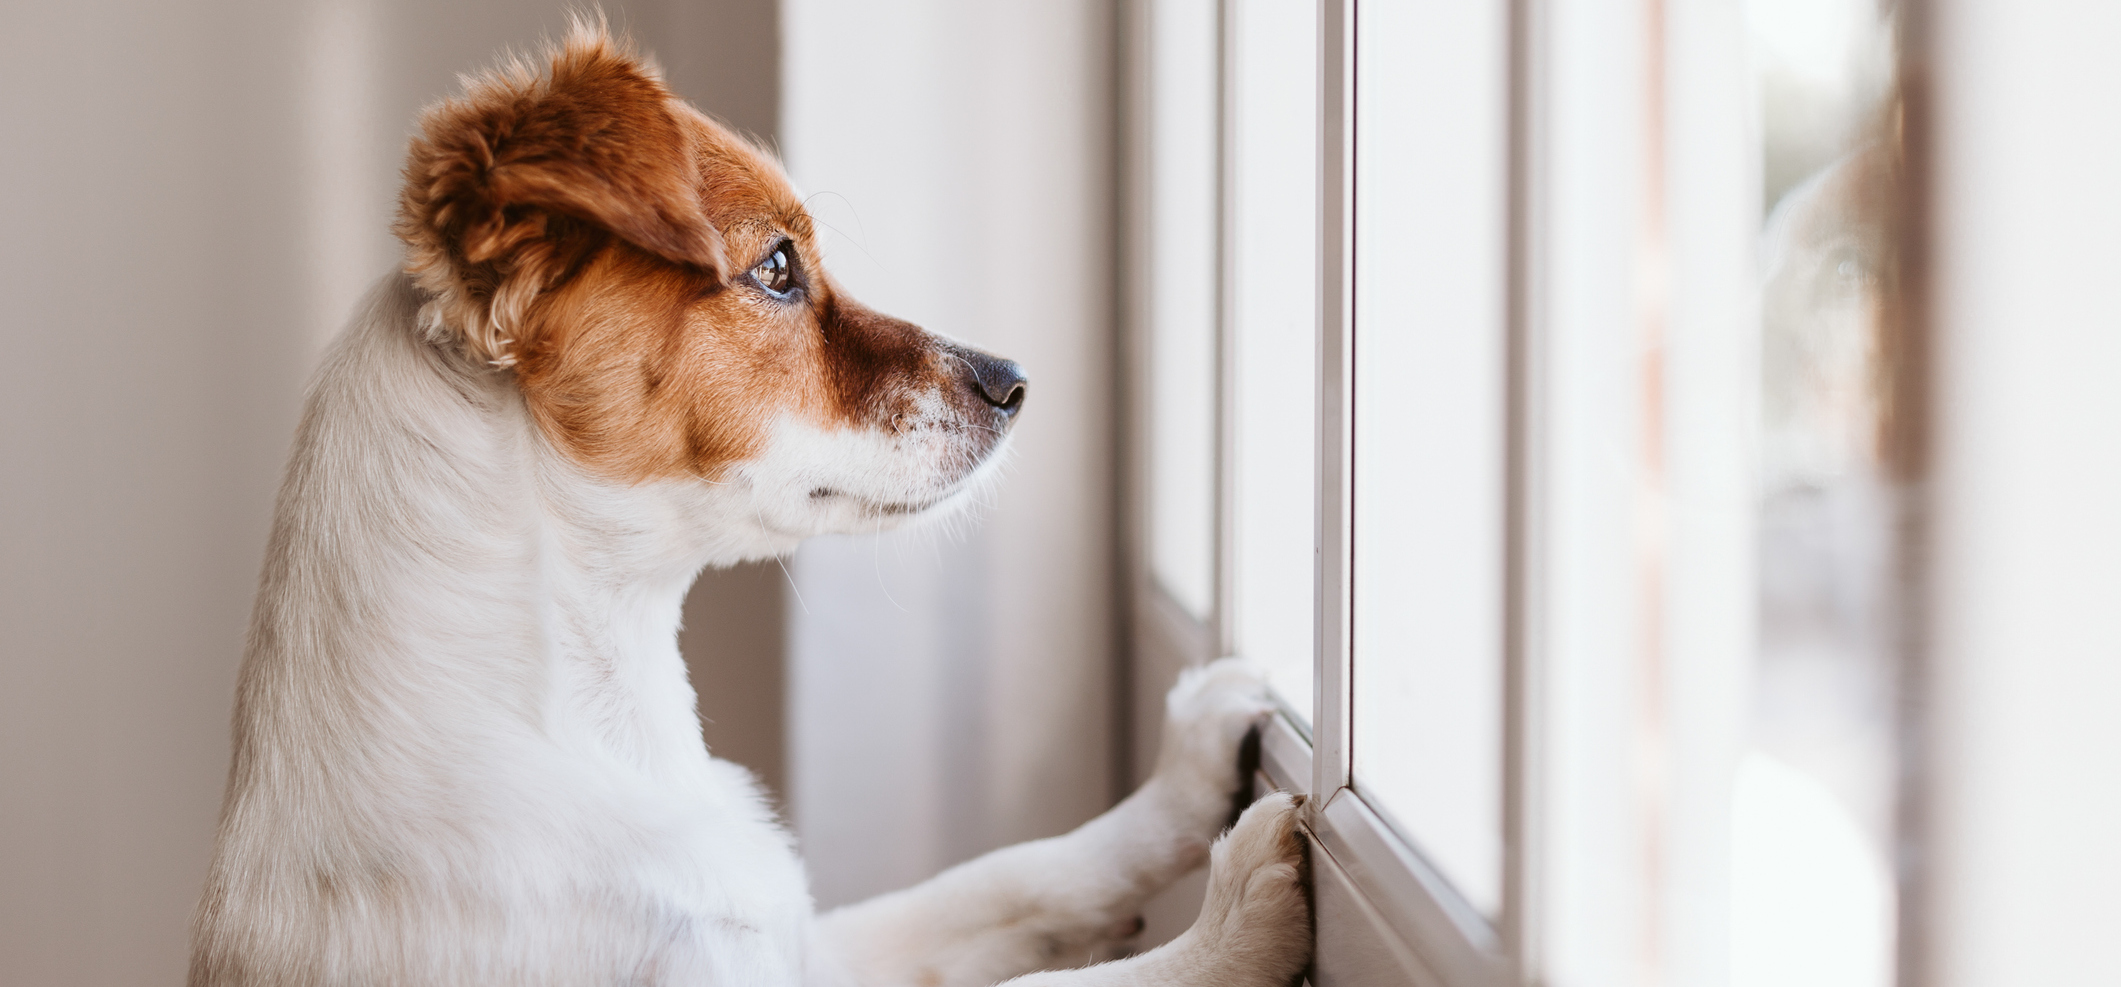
x,y
1629,134
1384,914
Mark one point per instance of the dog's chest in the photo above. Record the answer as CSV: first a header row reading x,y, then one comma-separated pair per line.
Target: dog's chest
x,y
724,869
708,889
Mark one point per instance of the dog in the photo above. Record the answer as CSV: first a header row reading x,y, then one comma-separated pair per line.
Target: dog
x,y
465,748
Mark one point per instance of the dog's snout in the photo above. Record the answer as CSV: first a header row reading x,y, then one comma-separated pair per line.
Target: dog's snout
x,y
999,382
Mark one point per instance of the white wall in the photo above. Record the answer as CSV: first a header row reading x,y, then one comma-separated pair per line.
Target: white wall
x,y
2026,608
191,195
951,690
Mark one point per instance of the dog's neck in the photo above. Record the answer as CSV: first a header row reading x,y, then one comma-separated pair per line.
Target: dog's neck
x,y
440,561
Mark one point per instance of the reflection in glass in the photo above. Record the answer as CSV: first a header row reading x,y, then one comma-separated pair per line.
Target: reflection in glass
x,y
1814,802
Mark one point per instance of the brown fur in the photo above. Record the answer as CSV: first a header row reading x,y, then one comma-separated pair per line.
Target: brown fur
x,y
593,233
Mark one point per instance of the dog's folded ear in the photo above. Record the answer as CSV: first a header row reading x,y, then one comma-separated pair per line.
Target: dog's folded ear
x,y
507,185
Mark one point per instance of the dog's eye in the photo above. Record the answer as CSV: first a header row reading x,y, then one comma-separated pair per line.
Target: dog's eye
x,y
775,274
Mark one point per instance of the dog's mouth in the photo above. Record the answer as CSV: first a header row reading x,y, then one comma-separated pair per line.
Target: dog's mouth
x,y
905,508
892,506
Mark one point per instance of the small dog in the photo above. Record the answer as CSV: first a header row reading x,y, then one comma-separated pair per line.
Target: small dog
x,y
466,751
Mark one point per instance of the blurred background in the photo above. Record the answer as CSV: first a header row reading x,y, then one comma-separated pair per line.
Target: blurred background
x,y
1828,442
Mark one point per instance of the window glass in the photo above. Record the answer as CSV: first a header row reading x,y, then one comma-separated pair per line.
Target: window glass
x,y
1273,293
1430,227
1182,301
1813,801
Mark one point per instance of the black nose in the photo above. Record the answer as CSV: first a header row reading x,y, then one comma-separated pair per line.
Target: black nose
x,y
999,382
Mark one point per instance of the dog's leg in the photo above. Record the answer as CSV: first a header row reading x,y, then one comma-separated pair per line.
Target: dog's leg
x,y
1254,929
1051,902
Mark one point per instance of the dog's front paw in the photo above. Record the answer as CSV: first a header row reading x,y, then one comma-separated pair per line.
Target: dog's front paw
x,y
1256,922
1206,717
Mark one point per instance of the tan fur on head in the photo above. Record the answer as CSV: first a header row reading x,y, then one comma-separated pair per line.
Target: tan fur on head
x,y
499,178
602,241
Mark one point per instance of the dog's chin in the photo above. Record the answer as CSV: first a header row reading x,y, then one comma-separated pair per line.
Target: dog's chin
x,y
856,505
847,512
893,512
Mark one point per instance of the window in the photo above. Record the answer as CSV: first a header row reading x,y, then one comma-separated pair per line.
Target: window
x,y
1270,245
1429,446
1814,820
1182,354
1482,441
1236,482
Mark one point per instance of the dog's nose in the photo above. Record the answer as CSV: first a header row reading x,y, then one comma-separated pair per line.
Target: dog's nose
x,y
999,382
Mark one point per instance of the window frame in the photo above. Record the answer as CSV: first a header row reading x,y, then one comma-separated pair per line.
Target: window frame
x,y
1382,908
1385,914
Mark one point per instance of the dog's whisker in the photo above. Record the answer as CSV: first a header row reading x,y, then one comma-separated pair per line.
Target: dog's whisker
x,y
875,553
792,587
785,574
861,242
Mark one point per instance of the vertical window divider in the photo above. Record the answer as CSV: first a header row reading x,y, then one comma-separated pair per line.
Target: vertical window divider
x,y
1523,780
1224,623
1332,764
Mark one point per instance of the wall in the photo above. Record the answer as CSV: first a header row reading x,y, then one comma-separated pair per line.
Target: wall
x,y
2025,610
193,194
952,688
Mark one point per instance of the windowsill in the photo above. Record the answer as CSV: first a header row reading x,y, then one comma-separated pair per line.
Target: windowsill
x,y
1383,913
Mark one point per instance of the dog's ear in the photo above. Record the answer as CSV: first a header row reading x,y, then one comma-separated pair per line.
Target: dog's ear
x,y
508,185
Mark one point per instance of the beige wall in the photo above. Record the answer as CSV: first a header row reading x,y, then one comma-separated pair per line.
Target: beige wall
x,y
191,195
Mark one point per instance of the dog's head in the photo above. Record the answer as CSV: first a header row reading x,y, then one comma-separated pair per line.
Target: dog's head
x,y
651,280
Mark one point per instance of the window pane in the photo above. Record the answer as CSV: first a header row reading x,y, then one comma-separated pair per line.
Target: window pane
x,y
1429,429
1182,302
1813,830
1274,317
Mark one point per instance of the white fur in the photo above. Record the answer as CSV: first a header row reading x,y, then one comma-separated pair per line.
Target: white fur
x,y
467,751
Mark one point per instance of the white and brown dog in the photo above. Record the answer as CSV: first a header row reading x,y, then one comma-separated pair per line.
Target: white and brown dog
x,y
465,749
